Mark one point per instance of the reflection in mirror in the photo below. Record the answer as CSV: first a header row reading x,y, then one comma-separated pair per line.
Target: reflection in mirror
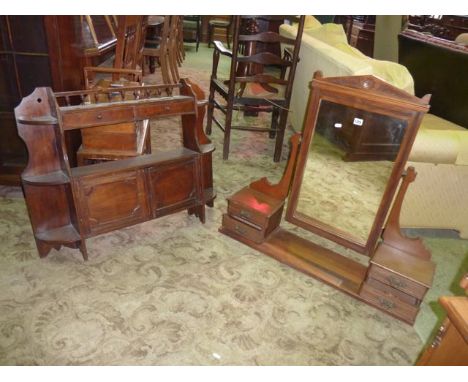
x,y
349,163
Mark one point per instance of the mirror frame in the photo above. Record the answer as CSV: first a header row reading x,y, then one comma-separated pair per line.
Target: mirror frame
x,y
370,94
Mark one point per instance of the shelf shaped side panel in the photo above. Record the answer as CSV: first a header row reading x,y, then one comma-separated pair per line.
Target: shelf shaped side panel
x,y
49,206
37,125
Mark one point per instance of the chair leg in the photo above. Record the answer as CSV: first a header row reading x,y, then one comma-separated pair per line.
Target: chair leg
x,y
209,116
274,122
280,135
209,36
228,37
227,131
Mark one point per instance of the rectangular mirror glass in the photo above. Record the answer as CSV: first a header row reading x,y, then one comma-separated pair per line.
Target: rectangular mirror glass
x,y
349,163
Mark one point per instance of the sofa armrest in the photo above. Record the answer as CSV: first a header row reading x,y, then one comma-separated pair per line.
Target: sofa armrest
x,y
440,142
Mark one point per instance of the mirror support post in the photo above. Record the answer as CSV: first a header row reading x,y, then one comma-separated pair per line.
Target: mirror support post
x,y
281,190
392,235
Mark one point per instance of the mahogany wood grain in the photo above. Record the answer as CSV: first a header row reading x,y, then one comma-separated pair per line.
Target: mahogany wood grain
x,y
450,345
309,258
68,205
392,235
396,280
281,190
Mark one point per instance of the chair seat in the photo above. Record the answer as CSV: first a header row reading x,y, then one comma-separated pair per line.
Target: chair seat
x,y
254,90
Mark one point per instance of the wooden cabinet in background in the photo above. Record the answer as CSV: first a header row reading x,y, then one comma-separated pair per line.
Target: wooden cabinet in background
x,y
37,51
450,345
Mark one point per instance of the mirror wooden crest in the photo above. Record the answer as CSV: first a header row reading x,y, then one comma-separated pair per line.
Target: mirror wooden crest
x,y
346,181
357,137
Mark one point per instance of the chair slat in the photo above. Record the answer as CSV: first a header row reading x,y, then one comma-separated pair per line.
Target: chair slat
x,y
262,79
265,58
266,37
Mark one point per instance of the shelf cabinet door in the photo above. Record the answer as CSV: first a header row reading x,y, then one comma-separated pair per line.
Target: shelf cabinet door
x,y
112,201
174,187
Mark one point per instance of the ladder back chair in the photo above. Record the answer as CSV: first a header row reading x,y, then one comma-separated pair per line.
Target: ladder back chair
x,y
268,89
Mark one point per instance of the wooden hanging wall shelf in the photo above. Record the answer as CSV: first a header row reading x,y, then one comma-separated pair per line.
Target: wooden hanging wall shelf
x,y
68,205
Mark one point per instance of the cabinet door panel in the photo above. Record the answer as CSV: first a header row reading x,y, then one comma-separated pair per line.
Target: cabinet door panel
x,y
113,201
173,187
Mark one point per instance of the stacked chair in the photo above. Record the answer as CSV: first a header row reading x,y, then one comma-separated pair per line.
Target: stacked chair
x,y
124,140
167,49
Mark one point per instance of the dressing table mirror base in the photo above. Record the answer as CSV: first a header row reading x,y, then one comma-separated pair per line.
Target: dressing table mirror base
x,y
398,276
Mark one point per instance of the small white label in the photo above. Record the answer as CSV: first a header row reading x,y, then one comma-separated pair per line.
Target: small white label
x,y
358,121
338,125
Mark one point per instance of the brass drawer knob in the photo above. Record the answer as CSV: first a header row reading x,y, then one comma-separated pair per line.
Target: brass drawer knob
x,y
386,304
439,336
396,282
238,229
245,214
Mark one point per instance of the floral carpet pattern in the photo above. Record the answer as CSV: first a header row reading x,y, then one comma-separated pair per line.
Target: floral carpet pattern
x,y
173,291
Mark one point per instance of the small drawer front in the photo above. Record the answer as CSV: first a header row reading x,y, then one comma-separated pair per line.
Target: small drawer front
x,y
243,229
87,118
248,214
389,303
406,298
398,282
175,107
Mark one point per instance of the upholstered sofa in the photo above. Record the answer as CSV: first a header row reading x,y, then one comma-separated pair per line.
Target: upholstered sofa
x,y
439,196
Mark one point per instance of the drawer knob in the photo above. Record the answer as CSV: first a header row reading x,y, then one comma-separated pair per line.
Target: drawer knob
x,y
245,214
238,229
99,116
439,336
167,108
396,282
386,304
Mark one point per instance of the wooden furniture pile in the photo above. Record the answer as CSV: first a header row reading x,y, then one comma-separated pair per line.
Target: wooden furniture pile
x,y
123,140
165,45
400,270
68,205
447,27
57,48
191,27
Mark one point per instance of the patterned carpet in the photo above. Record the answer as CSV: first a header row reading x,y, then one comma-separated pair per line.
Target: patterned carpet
x,y
175,292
